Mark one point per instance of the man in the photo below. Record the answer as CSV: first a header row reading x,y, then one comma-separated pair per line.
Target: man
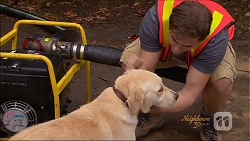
x,y
197,33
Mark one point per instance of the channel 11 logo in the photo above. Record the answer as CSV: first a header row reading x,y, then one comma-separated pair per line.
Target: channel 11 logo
x,y
223,121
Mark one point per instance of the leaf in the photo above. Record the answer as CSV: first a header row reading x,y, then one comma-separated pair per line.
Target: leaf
x,y
30,8
69,13
100,18
49,16
135,4
247,14
88,19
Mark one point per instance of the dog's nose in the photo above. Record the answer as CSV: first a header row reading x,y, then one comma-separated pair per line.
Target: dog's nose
x,y
176,95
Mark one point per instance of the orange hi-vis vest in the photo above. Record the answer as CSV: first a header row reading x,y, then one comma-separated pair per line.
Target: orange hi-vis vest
x,y
221,19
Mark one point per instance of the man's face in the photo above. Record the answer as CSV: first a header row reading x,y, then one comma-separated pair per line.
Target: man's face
x,y
181,45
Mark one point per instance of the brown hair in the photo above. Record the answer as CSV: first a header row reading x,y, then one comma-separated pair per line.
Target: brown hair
x,y
191,19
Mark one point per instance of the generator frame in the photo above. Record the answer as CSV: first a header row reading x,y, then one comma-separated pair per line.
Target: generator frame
x,y
57,88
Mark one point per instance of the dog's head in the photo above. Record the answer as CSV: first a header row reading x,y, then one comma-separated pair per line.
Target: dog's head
x,y
144,89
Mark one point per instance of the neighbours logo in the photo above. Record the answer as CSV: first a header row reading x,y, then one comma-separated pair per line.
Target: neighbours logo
x,y
195,120
222,120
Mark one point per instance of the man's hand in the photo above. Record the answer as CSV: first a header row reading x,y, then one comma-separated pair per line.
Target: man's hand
x,y
134,62
195,83
155,109
145,60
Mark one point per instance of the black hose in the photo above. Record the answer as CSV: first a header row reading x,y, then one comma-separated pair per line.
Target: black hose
x,y
111,56
102,54
20,14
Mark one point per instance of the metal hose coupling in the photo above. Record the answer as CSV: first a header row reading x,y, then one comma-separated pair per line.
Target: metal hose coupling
x,y
70,50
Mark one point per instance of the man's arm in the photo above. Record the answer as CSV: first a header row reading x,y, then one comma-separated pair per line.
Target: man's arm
x,y
150,50
149,60
195,82
145,60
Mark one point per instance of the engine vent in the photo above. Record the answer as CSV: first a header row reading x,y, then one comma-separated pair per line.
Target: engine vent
x,y
16,116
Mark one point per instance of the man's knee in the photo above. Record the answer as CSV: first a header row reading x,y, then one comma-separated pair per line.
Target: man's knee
x,y
222,85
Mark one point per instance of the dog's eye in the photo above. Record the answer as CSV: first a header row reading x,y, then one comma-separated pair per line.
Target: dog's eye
x,y
161,89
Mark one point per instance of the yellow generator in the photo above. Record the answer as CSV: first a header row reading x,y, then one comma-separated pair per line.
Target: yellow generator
x,y
34,81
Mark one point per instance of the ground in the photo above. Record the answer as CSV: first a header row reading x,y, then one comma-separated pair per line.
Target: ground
x,y
110,26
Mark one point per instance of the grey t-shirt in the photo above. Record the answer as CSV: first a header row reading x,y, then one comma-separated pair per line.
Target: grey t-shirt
x,y
205,62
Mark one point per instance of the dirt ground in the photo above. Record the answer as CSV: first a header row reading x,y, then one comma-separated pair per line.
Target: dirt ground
x,y
111,29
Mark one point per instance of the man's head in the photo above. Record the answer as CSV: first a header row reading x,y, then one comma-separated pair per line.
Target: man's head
x,y
189,24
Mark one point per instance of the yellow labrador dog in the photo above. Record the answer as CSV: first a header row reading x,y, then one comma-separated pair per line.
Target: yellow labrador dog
x,y
112,115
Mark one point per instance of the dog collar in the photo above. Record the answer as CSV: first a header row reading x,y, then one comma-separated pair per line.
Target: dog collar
x,y
121,96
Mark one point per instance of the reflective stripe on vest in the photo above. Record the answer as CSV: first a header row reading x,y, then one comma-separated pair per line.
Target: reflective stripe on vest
x,y
217,17
164,11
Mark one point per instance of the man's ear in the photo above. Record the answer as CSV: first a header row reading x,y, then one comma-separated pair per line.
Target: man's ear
x,y
135,100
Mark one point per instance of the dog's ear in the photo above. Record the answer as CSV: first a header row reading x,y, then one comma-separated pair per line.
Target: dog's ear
x,y
146,104
135,100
